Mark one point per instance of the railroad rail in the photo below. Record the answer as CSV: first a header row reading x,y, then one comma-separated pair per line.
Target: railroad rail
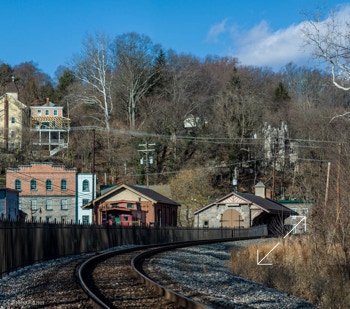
x,y
105,278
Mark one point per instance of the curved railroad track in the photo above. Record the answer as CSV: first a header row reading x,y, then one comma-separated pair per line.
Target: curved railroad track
x,y
118,279
198,274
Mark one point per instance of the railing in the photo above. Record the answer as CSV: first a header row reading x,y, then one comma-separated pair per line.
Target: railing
x,y
24,244
53,141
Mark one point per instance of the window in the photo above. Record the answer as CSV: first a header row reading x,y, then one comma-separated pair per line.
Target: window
x,y
64,204
85,220
64,184
39,112
47,112
55,112
126,218
34,204
48,185
13,133
86,186
13,119
18,185
85,201
129,205
33,185
49,205
206,223
45,125
48,218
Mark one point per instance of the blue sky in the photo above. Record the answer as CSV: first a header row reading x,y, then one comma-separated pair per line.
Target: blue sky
x,y
258,32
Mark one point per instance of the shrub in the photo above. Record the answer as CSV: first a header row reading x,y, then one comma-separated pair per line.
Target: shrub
x,y
300,267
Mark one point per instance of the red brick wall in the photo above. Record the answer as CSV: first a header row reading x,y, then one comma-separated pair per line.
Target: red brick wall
x,y
41,172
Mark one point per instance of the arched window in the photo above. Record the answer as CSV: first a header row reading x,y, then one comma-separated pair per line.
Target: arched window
x,y
85,186
48,185
33,185
18,185
64,184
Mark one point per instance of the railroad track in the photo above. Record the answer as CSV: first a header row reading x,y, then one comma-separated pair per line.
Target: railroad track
x,y
196,275
118,280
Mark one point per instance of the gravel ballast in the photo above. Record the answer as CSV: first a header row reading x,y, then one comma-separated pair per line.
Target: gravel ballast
x,y
206,269
202,269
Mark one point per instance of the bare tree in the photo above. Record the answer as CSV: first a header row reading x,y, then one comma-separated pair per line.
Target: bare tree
x,y
93,68
135,55
330,41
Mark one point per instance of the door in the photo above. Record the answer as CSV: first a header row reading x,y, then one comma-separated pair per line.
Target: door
x,y
231,218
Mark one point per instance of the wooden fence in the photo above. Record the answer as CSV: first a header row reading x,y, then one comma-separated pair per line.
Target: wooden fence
x,y
23,244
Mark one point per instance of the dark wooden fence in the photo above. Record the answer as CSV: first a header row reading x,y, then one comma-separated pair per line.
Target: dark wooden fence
x,y
23,244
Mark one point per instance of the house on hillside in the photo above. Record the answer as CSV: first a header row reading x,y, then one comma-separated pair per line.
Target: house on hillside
x,y
13,115
50,128
9,204
244,210
128,205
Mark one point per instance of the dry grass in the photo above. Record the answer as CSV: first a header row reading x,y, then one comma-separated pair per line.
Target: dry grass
x,y
300,267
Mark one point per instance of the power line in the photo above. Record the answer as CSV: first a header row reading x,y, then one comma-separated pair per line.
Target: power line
x,y
208,139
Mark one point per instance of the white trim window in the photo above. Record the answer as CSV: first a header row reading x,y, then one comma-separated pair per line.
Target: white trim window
x,y
34,204
64,204
18,185
49,205
86,186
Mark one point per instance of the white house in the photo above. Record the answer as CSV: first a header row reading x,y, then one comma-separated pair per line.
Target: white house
x,y
86,191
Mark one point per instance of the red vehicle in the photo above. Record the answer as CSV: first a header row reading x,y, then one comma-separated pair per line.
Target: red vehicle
x,y
124,213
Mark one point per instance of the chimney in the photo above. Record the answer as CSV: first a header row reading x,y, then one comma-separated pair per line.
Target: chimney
x,y
260,189
47,102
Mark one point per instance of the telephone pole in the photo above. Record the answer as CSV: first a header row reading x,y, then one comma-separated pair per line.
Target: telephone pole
x,y
148,160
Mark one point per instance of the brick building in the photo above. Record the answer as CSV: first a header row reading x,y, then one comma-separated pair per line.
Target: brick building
x,y
135,204
47,192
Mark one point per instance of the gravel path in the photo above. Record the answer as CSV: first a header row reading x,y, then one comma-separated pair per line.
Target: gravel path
x,y
205,269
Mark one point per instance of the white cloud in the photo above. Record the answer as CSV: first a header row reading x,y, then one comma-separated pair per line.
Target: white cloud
x,y
261,46
216,30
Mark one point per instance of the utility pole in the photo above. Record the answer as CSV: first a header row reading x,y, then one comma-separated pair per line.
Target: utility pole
x,y
274,169
148,159
94,219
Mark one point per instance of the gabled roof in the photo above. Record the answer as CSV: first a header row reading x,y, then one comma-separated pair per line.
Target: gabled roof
x,y
266,204
14,100
155,196
146,193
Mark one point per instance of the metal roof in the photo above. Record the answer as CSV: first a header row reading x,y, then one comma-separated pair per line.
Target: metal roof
x,y
266,204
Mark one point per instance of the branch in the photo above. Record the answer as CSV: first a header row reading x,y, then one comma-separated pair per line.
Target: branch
x,y
337,116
